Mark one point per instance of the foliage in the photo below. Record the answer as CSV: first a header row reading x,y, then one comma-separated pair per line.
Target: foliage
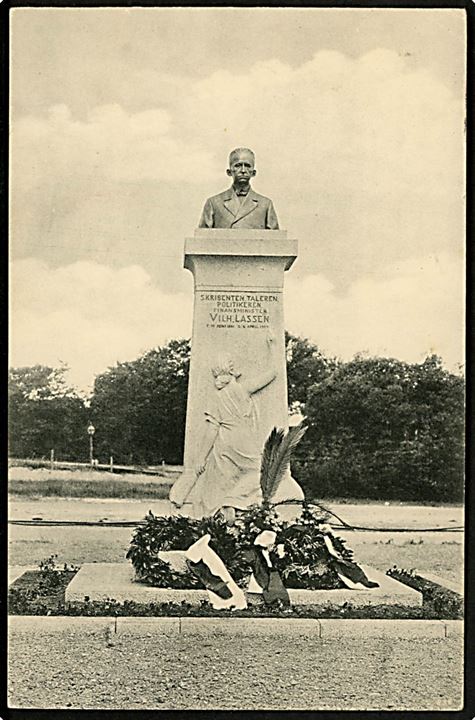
x,y
128,608
440,600
44,414
36,593
40,592
51,575
381,428
306,366
305,563
139,407
377,427
275,460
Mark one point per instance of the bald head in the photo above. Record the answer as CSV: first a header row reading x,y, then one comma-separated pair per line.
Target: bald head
x,y
236,153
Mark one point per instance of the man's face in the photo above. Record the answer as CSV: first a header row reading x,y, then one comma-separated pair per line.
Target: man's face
x,y
241,168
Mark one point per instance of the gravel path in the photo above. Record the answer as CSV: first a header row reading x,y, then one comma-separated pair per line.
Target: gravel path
x,y
86,669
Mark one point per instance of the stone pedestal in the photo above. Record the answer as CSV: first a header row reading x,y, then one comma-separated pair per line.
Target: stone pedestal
x,y
238,297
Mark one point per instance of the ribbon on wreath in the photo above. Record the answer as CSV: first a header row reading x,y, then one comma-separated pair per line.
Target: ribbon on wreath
x,y
265,579
348,571
210,569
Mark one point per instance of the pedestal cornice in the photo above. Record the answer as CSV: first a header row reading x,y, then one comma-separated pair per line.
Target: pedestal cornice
x,y
240,243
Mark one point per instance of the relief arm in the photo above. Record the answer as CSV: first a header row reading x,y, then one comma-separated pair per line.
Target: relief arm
x,y
207,442
261,381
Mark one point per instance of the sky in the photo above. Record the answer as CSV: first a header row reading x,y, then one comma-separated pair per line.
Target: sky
x,y
121,124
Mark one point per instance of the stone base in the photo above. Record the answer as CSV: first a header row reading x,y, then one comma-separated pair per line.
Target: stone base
x,y
115,581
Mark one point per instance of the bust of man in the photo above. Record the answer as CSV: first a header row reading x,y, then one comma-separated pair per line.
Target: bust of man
x,y
240,206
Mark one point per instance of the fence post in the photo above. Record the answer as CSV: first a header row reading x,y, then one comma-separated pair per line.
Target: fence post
x,y
111,463
52,460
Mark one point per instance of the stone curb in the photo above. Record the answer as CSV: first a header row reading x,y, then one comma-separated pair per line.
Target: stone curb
x,y
454,627
324,629
60,623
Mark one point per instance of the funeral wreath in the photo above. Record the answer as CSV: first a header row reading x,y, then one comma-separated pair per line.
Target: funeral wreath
x,y
259,552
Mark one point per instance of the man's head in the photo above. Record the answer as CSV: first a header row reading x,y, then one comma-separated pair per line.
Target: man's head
x,y
241,166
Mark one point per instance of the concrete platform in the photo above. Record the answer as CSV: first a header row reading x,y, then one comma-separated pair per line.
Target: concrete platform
x,y
115,581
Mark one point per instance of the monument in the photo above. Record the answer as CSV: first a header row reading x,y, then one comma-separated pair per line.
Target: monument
x,y
237,395
238,384
239,206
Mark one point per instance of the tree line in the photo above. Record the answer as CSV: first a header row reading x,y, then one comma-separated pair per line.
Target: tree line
x,y
377,427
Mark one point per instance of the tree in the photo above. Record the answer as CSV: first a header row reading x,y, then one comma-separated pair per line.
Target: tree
x,y
385,429
139,407
306,366
44,414
377,427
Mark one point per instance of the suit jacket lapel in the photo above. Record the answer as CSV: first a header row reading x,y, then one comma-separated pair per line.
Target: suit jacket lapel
x,y
250,203
231,203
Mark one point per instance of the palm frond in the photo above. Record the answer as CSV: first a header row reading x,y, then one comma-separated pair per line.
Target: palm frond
x,y
269,453
276,458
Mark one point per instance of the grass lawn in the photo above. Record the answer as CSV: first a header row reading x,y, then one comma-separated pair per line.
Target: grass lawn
x,y
104,488
85,483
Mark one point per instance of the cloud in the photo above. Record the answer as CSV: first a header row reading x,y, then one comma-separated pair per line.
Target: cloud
x,y
363,158
416,308
369,122
89,316
109,144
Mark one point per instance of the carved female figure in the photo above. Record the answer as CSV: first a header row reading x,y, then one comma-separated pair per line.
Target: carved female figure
x,y
228,464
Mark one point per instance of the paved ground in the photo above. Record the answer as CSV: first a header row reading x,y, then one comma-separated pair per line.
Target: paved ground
x,y
93,669
372,514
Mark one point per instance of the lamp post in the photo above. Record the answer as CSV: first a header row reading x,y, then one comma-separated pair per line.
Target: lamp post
x,y
91,430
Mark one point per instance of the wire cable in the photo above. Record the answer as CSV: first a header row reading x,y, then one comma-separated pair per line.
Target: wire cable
x,y
134,523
